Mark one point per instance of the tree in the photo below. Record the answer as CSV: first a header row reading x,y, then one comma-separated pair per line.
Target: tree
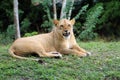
x,y
70,11
67,7
54,9
63,11
16,18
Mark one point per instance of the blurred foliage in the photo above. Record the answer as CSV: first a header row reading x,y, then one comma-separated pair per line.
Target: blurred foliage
x,y
8,36
25,25
100,18
109,20
30,34
81,11
92,19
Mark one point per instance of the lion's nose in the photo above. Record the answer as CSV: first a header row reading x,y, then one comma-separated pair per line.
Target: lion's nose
x,y
66,31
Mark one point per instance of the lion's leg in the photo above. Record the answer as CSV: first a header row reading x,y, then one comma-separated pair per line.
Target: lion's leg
x,y
39,49
79,48
76,47
49,54
53,54
73,51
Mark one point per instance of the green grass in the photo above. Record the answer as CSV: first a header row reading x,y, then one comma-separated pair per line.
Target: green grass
x,y
103,64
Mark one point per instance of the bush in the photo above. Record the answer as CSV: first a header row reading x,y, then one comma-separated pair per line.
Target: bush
x,y
109,21
46,25
30,34
8,36
25,25
92,19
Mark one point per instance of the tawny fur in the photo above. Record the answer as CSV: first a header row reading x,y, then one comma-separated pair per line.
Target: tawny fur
x,y
51,44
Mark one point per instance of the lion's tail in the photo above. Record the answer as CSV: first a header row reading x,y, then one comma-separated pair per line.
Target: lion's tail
x,y
11,51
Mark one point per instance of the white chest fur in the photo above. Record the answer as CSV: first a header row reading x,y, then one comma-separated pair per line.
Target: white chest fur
x,y
68,44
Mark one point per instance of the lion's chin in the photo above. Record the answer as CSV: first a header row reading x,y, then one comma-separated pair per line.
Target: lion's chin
x,y
66,35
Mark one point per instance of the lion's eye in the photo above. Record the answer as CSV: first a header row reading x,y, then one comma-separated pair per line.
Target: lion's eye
x,y
69,25
61,26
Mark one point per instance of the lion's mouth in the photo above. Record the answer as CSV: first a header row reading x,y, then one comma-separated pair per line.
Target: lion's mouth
x,y
66,34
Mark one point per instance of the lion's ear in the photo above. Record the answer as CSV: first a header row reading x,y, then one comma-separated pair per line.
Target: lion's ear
x,y
55,22
72,21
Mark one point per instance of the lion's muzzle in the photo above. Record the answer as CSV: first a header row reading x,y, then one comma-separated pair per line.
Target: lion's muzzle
x,y
66,33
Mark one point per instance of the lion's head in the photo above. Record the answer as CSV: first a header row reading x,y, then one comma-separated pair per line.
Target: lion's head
x,y
64,27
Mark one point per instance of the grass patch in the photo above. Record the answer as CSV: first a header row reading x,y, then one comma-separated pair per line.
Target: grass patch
x,y
103,64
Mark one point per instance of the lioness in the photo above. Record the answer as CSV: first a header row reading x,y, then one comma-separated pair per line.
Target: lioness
x,y
60,40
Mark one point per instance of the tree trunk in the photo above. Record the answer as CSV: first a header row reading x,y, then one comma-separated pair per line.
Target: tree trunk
x,y
63,10
70,11
16,18
54,9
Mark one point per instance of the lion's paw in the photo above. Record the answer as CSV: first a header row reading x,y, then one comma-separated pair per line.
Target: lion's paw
x,y
57,55
88,53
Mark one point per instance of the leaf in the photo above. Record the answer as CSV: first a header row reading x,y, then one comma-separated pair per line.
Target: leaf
x,y
36,2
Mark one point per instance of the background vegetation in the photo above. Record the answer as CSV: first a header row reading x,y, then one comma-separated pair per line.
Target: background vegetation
x,y
96,18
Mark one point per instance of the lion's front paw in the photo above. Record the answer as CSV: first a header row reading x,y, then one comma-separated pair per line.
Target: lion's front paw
x,y
85,54
57,55
82,55
88,53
